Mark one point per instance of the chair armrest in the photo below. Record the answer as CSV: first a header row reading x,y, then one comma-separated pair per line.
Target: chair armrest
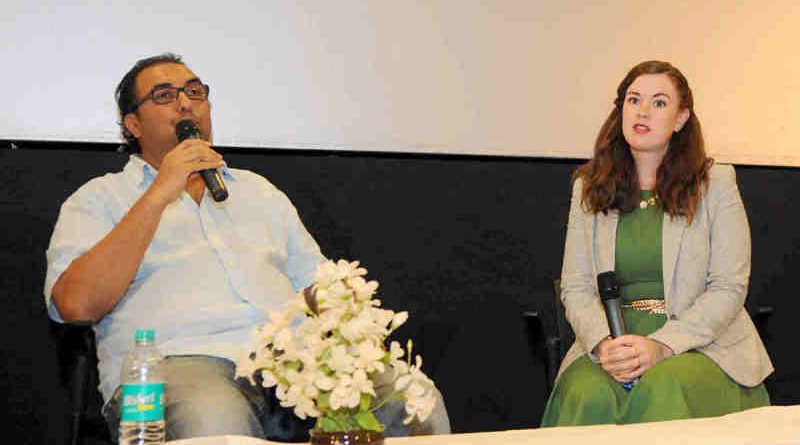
x,y
545,349
77,360
73,340
761,319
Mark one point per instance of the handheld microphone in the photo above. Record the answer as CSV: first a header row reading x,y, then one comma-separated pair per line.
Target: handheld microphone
x,y
186,129
608,287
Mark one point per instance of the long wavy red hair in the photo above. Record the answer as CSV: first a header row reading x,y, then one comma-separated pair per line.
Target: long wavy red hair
x,y
610,180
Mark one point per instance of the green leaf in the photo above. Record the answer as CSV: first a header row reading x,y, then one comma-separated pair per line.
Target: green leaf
x,y
338,421
324,400
328,424
345,420
327,354
366,401
367,421
291,366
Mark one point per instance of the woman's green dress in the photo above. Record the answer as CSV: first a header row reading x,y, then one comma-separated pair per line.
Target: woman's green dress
x,y
680,387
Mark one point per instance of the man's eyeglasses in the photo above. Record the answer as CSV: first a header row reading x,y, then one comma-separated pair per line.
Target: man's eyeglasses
x,y
167,94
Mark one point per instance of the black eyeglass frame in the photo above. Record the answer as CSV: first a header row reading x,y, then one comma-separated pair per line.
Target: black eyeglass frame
x,y
178,90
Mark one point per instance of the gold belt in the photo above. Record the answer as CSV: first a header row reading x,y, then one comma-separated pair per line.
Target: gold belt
x,y
652,305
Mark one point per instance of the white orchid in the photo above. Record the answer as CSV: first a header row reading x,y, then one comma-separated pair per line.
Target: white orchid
x,y
348,390
396,352
418,389
362,384
356,327
283,339
419,402
267,377
298,393
322,352
324,381
329,272
399,319
246,367
370,356
413,374
340,360
363,290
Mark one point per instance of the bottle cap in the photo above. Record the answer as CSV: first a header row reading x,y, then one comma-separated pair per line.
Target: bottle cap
x,y
145,335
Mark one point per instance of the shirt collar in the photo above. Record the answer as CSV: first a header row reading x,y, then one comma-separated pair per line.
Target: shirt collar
x,y
143,173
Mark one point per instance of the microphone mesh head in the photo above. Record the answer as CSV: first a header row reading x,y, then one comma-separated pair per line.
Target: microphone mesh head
x,y
186,129
607,285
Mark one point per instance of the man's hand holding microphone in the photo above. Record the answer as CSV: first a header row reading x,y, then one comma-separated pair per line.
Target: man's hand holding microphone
x,y
192,155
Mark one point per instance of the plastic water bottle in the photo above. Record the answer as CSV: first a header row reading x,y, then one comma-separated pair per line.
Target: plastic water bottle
x,y
142,401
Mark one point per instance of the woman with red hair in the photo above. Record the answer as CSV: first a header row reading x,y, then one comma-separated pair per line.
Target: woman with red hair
x,y
653,208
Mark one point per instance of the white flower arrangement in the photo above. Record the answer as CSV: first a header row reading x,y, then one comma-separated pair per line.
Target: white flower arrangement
x,y
327,366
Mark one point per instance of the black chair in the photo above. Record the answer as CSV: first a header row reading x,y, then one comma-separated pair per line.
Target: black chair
x,y
77,360
548,346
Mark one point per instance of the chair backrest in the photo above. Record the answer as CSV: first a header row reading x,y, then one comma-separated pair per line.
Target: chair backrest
x,y
563,329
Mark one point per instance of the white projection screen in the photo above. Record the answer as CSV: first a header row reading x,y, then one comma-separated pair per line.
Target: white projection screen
x,y
494,77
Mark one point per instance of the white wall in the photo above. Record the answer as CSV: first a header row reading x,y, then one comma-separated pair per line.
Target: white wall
x,y
505,77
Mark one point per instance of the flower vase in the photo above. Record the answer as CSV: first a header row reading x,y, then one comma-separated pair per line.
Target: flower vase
x,y
358,437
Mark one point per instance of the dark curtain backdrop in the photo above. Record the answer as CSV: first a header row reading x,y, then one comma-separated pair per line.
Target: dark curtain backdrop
x,y
465,244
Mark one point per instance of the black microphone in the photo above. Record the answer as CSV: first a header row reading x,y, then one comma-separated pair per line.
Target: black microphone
x,y
186,129
608,287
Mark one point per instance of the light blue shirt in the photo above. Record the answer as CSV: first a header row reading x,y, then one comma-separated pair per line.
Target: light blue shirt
x,y
210,274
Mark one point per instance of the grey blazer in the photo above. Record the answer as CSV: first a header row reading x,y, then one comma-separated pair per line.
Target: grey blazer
x,y
706,269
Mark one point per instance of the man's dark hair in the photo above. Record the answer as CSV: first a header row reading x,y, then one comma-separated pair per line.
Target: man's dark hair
x,y
126,93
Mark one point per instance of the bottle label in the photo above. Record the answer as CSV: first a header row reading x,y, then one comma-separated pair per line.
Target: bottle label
x,y
142,402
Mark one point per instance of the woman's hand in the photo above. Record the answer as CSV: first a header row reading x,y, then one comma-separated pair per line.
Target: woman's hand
x,y
628,357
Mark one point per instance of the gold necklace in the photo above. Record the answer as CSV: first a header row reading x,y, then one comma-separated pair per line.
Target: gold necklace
x,y
645,203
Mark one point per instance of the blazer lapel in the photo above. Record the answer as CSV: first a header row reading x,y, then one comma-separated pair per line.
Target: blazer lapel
x,y
672,235
606,240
